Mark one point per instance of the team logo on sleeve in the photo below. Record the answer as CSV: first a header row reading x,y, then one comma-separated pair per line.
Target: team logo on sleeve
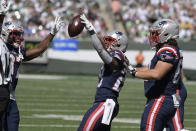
x,y
166,57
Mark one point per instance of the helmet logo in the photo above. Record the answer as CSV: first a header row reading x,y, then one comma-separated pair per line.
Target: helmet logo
x,y
119,33
165,22
7,23
162,23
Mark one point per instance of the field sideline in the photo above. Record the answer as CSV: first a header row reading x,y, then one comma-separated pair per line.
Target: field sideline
x,y
58,103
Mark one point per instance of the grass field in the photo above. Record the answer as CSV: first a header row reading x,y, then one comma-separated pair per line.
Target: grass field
x,y
58,103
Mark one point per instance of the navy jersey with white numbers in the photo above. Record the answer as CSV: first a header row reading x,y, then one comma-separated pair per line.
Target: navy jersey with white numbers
x,y
170,82
17,60
110,83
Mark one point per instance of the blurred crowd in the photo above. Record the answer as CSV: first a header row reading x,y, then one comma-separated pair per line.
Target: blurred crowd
x,y
37,16
138,15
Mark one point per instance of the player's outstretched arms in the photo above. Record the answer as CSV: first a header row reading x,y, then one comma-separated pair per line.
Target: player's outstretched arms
x,y
3,10
160,70
33,53
103,53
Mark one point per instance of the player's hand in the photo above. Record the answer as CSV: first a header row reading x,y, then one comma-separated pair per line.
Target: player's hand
x,y
57,25
3,7
131,70
88,25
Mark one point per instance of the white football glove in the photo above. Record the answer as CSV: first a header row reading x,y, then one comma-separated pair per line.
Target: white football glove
x,y
3,7
57,25
88,25
130,69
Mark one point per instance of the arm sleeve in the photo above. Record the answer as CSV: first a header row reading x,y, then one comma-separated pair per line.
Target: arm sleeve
x,y
105,56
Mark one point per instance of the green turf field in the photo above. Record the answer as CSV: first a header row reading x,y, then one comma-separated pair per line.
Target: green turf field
x,y
58,104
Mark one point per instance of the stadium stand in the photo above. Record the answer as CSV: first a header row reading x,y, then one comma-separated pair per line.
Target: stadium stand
x,y
139,15
130,16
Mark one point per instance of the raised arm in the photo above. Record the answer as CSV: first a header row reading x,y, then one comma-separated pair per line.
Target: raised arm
x,y
33,53
98,45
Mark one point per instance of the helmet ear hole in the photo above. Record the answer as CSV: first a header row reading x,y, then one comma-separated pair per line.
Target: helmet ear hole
x,y
166,34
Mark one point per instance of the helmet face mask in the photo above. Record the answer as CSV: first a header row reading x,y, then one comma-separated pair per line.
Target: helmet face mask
x,y
110,41
115,40
154,37
15,38
12,34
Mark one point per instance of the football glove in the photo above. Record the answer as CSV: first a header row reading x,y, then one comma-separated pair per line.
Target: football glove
x,y
88,25
132,70
57,25
3,7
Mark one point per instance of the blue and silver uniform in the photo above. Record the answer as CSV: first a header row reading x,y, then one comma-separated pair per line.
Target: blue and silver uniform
x,y
169,83
110,83
17,60
109,86
12,116
160,103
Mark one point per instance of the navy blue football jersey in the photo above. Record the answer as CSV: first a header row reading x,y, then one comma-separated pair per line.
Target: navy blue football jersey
x,y
17,60
170,82
110,83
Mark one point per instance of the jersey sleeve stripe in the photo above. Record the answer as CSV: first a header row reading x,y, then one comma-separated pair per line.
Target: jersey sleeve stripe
x,y
173,50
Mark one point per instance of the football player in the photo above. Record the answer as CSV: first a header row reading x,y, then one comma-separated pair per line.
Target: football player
x,y
111,79
162,77
12,35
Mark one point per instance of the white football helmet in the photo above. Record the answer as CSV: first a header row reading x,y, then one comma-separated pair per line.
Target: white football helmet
x,y
116,40
12,34
162,31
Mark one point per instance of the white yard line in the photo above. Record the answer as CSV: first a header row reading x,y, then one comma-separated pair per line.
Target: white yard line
x,y
75,126
45,77
40,125
60,77
64,110
70,101
81,111
79,118
71,126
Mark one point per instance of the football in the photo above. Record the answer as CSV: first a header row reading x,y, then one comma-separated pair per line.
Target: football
x,y
75,26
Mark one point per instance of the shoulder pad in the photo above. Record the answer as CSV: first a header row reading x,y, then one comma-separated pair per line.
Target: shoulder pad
x,y
168,54
168,50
